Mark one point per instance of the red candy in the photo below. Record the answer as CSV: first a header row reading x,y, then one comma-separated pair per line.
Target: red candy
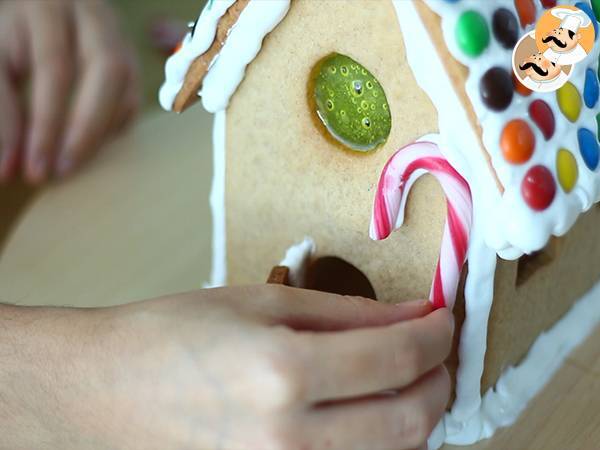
x,y
538,188
548,3
542,115
526,10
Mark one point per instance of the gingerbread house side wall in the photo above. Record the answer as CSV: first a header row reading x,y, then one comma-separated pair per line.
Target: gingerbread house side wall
x,y
286,179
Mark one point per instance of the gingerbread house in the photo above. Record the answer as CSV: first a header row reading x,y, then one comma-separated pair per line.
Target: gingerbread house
x,y
328,113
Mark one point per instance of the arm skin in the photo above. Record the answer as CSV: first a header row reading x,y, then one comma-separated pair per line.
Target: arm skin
x,y
264,367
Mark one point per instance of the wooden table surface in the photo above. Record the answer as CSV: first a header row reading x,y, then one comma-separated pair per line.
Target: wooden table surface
x,y
136,224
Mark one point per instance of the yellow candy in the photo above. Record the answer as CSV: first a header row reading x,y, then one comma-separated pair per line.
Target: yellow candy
x,y
569,101
566,166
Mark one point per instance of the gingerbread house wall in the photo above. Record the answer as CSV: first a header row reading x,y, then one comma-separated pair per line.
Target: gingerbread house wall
x,y
285,179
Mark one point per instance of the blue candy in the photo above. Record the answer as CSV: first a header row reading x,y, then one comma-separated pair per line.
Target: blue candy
x,y
591,90
584,6
588,146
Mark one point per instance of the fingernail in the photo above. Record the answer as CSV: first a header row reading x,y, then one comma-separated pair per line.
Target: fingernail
x,y
64,167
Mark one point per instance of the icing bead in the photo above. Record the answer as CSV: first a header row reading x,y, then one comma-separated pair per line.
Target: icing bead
x,y
569,101
538,188
351,103
505,28
521,89
496,88
591,89
542,115
548,3
472,33
596,8
517,141
584,6
526,11
566,168
588,147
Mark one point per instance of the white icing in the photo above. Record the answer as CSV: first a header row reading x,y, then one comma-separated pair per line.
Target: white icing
x,y
513,227
192,46
227,70
217,203
503,404
296,259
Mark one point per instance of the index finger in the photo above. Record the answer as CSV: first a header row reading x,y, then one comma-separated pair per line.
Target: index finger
x,y
338,365
52,72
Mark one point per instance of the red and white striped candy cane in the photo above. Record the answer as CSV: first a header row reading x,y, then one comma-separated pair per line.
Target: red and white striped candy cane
x,y
398,176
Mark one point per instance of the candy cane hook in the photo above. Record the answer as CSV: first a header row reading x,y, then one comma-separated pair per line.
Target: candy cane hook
x,y
397,178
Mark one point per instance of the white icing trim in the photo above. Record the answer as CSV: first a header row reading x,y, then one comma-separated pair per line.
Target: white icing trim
x,y
514,228
257,20
192,46
296,259
503,404
227,69
217,203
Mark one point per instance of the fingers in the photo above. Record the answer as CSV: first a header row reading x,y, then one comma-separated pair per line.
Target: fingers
x,y
363,361
105,74
401,421
11,127
52,76
303,309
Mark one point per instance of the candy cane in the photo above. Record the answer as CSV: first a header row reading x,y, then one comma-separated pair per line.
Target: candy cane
x,y
396,180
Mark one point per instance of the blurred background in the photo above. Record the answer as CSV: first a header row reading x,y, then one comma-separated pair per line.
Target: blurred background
x,y
145,21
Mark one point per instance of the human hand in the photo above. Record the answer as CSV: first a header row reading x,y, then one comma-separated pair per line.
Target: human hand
x,y
83,85
264,367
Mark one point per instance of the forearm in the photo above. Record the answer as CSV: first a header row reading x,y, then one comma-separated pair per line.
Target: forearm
x,y
40,364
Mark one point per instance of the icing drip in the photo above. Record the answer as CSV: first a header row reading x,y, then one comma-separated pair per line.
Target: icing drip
x,y
397,178
217,204
227,70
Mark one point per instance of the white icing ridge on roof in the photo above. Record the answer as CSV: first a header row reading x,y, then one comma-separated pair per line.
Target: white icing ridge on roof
x,y
226,71
191,47
515,228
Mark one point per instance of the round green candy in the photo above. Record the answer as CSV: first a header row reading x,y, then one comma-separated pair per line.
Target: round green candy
x,y
596,8
351,103
472,33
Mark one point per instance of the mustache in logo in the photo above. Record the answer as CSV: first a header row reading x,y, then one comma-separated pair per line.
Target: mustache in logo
x,y
558,42
535,67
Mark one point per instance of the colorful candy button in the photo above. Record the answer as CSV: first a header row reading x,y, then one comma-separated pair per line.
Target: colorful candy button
x,y
569,101
588,147
596,8
598,123
521,89
548,3
585,7
538,188
505,27
496,88
351,103
543,117
526,11
517,141
591,90
566,168
472,33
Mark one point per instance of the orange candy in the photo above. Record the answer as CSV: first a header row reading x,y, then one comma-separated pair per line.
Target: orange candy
x,y
517,141
520,87
526,10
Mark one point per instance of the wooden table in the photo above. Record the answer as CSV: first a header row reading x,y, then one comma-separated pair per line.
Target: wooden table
x,y
136,225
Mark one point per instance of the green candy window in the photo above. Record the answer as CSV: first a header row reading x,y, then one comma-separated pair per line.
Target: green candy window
x,y
350,102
